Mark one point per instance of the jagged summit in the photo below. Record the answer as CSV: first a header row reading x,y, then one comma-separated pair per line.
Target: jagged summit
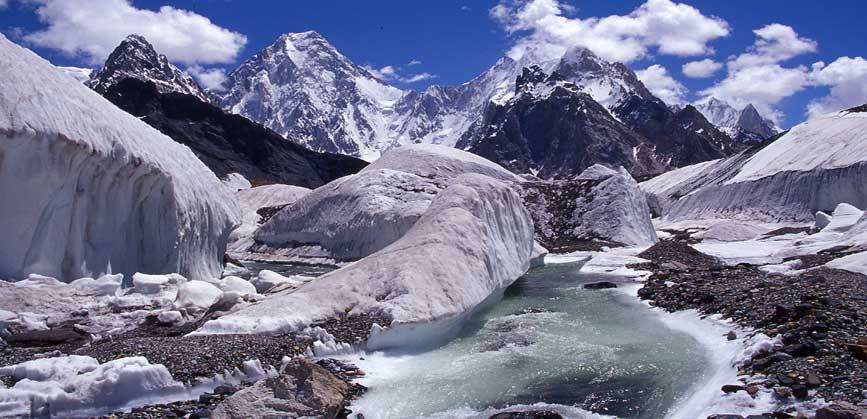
x,y
550,128
136,58
744,125
303,88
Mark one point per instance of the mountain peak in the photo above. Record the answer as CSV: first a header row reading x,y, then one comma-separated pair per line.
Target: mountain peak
x,y
136,58
302,35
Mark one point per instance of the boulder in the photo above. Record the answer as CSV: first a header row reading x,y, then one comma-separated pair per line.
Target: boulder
x,y
303,389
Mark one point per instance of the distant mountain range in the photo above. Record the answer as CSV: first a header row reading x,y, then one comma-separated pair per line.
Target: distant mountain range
x,y
304,89
745,125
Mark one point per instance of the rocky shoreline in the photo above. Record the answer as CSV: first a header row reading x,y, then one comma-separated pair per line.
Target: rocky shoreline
x,y
818,319
191,359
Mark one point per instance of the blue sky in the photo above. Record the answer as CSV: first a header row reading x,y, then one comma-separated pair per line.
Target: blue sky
x,y
456,40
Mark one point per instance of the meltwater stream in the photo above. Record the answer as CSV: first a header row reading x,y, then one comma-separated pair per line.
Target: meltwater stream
x,y
547,341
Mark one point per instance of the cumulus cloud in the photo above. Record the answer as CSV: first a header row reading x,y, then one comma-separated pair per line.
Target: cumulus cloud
x,y
466,8
92,29
775,43
546,30
3,3
701,69
212,79
757,76
391,73
662,85
847,79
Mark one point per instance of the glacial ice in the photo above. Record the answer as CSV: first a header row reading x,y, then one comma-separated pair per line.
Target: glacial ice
x,y
71,386
617,212
267,280
475,239
251,201
349,218
95,189
196,296
814,167
236,284
439,163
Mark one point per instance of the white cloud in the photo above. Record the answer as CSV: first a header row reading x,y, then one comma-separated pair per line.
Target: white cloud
x,y
418,77
662,85
3,4
847,78
391,73
763,86
775,43
668,27
757,76
384,73
466,8
92,29
701,69
211,79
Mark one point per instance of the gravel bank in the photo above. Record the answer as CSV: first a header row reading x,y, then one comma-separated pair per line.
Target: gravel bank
x,y
820,317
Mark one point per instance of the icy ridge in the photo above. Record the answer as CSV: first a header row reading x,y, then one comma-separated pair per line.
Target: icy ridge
x,y
478,225
97,190
814,167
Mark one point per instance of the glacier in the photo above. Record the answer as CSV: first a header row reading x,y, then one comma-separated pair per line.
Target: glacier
x,y
347,219
813,167
474,240
251,201
357,215
96,190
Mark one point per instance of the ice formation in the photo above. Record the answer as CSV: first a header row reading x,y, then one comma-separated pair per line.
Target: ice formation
x,y
251,201
474,239
349,218
96,190
439,163
618,211
815,166
75,386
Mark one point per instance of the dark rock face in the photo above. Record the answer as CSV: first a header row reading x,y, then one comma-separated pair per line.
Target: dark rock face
x,y
752,127
552,129
229,143
536,414
685,137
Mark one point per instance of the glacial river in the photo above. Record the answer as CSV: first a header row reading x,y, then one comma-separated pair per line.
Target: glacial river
x,y
548,344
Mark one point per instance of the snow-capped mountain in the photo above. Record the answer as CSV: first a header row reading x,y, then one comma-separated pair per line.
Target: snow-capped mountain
x,y
743,125
551,128
305,89
136,58
302,87
229,143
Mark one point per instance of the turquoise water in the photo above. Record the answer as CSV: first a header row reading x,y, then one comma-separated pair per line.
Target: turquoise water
x,y
549,341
